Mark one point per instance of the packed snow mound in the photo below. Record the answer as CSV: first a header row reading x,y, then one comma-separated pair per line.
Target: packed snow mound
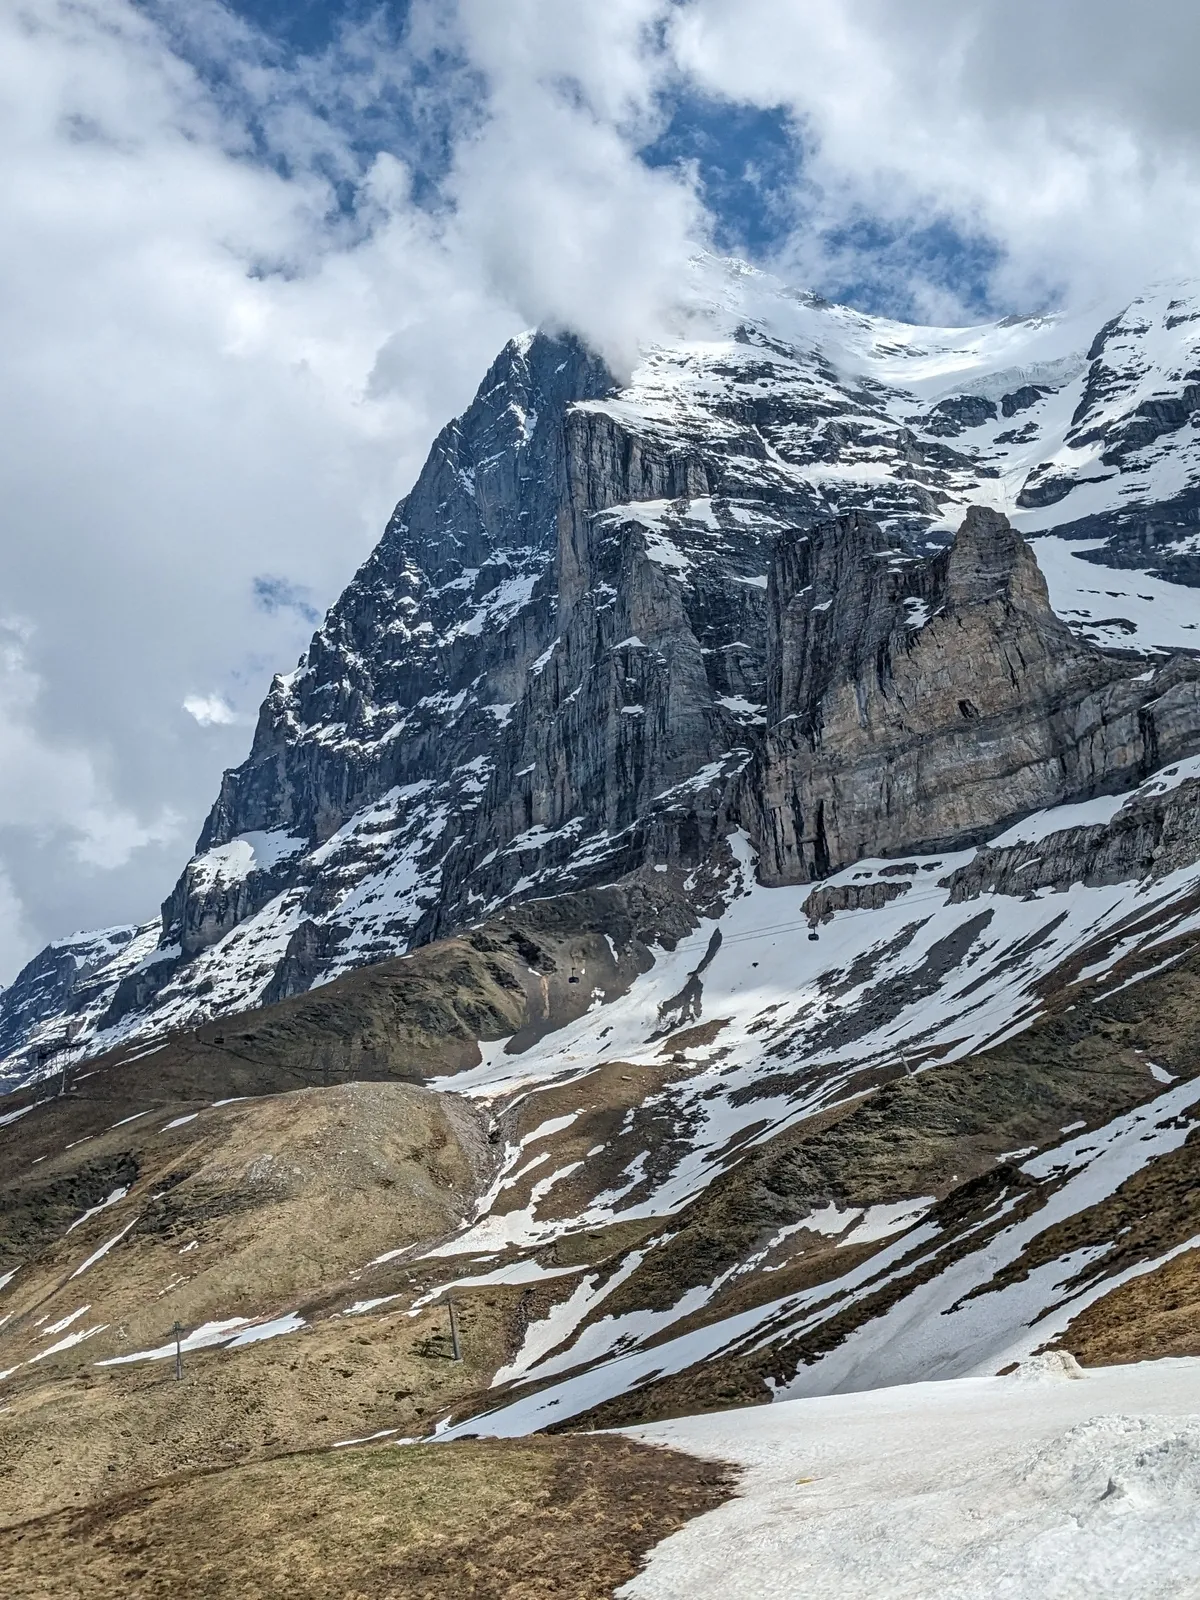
x,y
1111,1465
1051,1366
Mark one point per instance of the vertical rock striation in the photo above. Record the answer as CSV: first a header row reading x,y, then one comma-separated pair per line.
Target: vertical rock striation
x,y
928,704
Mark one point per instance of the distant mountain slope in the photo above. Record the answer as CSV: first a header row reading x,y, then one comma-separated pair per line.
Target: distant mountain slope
x,y
916,1119
583,645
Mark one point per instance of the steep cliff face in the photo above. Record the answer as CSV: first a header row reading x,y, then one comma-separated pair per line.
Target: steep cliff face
x,y
817,841
52,984
609,623
369,757
926,705
435,634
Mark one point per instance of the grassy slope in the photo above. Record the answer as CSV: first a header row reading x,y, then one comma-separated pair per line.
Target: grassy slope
x,y
356,1169
493,1520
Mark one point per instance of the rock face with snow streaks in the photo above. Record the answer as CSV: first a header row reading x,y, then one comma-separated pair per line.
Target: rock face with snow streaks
x,y
1137,411
924,705
53,982
611,622
1151,836
788,844
373,753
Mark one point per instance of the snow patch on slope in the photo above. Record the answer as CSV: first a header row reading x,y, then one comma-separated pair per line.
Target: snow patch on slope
x,y
1128,610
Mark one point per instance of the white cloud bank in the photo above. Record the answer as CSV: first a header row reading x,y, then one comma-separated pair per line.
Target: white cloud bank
x,y
217,367
55,793
1068,133
211,711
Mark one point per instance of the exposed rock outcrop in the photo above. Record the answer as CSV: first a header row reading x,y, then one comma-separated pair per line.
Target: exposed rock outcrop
x,y
610,623
926,706
1149,837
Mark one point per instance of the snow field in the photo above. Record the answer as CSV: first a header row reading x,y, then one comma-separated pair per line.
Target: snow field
x,y
769,987
1164,616
944,1326
948,1326
977,1489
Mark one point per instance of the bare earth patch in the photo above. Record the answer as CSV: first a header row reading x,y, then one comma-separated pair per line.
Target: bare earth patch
x,y
1151,1316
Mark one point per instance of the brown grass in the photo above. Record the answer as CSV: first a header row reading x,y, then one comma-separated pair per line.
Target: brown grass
x,y
71,1438
478,1520
1149,1317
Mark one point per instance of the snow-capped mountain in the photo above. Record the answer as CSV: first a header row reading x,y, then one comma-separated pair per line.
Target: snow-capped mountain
x,y
596,635
779,778
59,980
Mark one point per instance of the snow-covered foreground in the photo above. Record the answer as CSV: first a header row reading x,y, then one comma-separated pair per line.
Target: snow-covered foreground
x,y
1037,1486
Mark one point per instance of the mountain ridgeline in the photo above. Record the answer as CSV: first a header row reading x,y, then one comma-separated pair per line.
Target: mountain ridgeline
x,y
769,587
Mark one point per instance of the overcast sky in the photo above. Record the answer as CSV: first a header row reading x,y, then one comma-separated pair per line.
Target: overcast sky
x,y
252,257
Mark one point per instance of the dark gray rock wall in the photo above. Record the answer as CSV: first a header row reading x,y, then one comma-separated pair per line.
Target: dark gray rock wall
x,y
888,737
478,528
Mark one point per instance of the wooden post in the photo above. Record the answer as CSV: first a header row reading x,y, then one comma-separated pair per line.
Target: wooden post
x,y
177,1330
454,1344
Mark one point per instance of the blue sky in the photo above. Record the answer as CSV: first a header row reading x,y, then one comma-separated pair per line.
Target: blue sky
x,y
305,26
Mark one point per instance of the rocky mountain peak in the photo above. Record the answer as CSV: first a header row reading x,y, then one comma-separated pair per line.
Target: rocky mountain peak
x,y
768,583
789,863
990,561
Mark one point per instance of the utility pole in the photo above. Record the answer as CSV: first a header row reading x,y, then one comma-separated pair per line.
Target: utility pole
x,y
177,1330
454,1344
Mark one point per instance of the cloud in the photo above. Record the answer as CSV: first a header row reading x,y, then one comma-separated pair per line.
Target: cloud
x,y
1063,138
552,198
17,939
53,788
56,799
272,594
212,711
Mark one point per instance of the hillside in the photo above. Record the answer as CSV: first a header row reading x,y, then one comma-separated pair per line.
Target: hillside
x,y
718,902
